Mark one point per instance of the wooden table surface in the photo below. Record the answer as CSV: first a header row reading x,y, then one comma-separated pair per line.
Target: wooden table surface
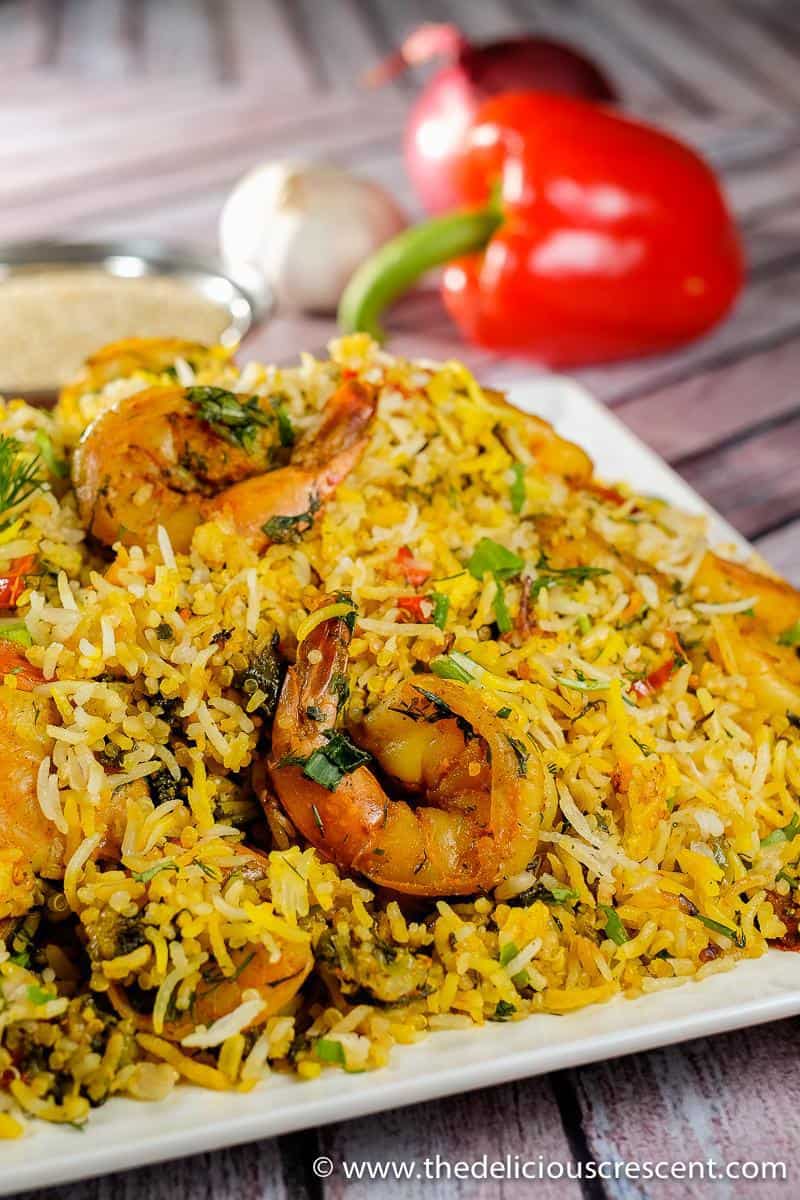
x,y
125,117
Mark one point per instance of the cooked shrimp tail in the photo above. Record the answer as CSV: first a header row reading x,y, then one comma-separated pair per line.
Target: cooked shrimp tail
x,y
281,505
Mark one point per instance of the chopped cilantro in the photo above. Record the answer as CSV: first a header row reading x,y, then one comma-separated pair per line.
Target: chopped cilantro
x,y
547,576
489,557
233,419
289,529
504,712
503,1010
286,432
787,834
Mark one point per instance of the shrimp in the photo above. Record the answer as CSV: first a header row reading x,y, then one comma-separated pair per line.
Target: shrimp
x,y
771,669
276,980
477,818
152,355
30,844
166,457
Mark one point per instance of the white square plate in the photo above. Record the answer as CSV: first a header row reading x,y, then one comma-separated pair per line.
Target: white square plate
x,y
126,1134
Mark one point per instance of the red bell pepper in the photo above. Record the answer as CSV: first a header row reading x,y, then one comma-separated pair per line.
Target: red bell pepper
x,y
414,571
585,236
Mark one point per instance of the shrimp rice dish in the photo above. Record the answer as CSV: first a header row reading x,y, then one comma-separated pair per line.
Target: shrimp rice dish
x,y
344,703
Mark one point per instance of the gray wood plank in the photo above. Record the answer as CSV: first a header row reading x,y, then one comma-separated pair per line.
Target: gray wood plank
x,y
521,1118
723,1098
754,482
781,549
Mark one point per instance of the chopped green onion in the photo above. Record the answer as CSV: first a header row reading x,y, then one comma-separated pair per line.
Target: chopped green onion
x,y
735,935
441,607
38,995
455,666
584,623
518,488
55,465
328,764
507,952
504,712
561,893
614,927
15,631
501,613
582,685
331,1051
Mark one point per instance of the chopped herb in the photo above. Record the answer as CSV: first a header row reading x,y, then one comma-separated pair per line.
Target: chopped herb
x,y
265,675
503,1010
646,750
331,1051
736,935
166,864
584,623
787,878
581,684
614,927
793,719
501,613
19,475
561,893
454,666
329,764
507,952
289,529
15,631
231,418
790,636
787,834
286,432
317,819
492,558
164,631
718,850
547,576
521,754
518,488
55,465
441,607
38,995
504,712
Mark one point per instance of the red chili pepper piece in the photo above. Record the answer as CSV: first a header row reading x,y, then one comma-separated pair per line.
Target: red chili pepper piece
x,y
419,607
414,571
585,237
13,584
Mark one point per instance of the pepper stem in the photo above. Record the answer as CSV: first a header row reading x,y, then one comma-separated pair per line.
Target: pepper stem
x,y
398,264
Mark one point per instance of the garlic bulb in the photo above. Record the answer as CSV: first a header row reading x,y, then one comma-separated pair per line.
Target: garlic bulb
x,y
306,227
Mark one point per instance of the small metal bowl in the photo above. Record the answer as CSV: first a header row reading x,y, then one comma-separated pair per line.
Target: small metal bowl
x,y
243,295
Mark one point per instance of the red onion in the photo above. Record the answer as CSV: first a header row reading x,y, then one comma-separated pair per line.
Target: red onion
x,y
444,111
